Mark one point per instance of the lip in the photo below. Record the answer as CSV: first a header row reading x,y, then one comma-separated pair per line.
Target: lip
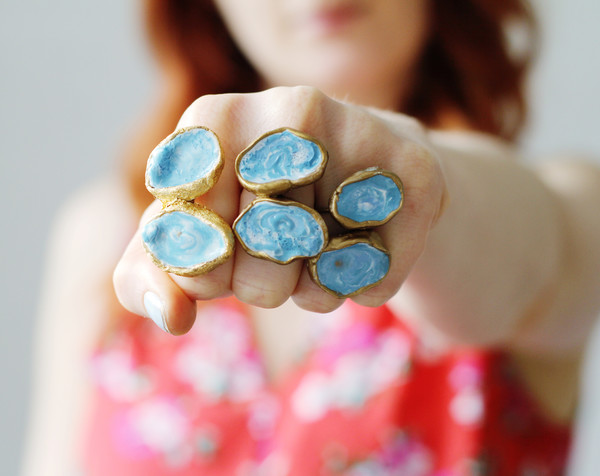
x,y
330,20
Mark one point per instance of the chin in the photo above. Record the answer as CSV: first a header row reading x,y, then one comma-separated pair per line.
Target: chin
x,y
326,72
350,85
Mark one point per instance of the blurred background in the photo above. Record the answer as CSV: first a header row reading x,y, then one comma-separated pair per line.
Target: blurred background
x,y
75,75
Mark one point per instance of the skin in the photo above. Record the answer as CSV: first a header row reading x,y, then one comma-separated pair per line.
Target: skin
x,y
351,49
465,193
486,251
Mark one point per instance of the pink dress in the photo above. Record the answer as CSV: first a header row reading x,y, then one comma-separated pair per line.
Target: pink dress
x,y
364,399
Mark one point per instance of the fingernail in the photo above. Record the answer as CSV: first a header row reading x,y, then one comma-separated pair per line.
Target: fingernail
x,y
155,309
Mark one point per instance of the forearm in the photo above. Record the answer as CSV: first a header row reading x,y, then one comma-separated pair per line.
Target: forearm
x,y
493,270
575,306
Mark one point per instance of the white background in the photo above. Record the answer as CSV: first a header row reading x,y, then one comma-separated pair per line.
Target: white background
x,y
73,76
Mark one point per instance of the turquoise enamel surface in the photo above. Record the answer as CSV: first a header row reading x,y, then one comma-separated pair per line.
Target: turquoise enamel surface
x,y
280,156
352,268
281,232
187,157
181,240
372,199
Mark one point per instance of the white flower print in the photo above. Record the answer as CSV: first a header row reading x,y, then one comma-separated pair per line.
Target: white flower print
x,y
312,399
402,456
218,361
162,427
356,376
115,372
467,406
275,464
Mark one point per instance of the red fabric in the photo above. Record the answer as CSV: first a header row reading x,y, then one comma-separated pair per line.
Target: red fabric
x,y
366,399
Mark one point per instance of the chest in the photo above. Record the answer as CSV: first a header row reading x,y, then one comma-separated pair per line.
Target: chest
x,y
282,336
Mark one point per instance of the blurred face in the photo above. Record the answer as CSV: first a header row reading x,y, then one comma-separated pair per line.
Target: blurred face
x,y
362,50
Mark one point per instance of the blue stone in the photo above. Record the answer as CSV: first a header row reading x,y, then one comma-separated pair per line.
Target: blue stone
x,y
347,270
373,199
281,156
182,240
189,156
280,232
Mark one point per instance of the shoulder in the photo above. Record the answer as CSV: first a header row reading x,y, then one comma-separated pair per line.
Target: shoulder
x,y
97,220
75,308
89,234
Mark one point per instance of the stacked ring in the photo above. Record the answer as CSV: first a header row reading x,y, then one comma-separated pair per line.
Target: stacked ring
x,y
277,229
188,239
185,238
366,199
350,264
355,262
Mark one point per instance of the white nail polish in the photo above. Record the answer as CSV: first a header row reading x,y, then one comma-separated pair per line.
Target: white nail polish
x,y
155,309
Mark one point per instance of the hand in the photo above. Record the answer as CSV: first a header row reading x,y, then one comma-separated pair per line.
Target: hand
x,y
355,138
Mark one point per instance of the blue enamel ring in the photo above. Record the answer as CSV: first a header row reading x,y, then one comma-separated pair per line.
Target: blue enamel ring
x,y
366,199
184,238
280,160
280,230
185,165
350,264
187,239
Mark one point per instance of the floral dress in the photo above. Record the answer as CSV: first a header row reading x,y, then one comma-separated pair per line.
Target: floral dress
x,y
365,399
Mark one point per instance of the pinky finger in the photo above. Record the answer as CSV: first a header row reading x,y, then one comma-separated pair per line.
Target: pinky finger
x,y
311,297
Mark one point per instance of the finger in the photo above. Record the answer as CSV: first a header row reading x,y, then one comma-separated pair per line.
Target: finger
x,y
211,285
311,297
308,295
405,236
261,282
145,290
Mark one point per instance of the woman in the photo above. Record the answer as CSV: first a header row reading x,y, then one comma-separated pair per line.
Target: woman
x,y
464,359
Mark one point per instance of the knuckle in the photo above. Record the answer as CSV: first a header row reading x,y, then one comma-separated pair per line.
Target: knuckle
x,y
374,297
369,301
299,106
296,94
190,115
258,295
208,289
201,288
424,161
426,177
119,279
413,127
318,302
208,107
126,289
307,95
311,102
402,125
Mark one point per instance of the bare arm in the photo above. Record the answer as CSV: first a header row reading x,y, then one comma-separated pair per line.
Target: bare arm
x,y
516,244
513,262
73,311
